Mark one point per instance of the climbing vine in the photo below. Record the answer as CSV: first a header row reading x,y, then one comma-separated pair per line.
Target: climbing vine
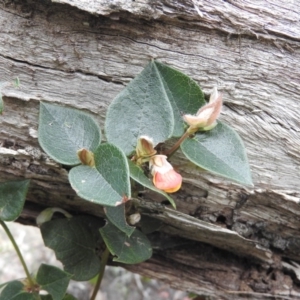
x,y
160,105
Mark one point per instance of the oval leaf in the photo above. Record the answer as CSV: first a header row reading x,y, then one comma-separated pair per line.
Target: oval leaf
x,y
183,93
220,151
63,131
149,224
75,242
90,185
69,297
129,250
142,108
111,162
106,184
12,199
137,174
46,297
66,297
53,280
116,215
14,291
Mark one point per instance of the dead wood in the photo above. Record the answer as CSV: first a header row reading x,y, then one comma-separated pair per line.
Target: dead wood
x,y
224,241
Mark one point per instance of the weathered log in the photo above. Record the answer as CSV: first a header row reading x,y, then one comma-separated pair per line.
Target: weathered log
x,y
224,241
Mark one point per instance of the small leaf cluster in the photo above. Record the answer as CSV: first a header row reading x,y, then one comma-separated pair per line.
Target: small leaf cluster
x,y
147,113
150,106
100,174
48,278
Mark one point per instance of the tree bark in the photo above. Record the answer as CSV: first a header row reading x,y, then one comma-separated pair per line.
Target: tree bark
x,y
224,240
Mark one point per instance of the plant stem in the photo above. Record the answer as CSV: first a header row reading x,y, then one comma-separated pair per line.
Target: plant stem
x,y
175,147
104,259
18,252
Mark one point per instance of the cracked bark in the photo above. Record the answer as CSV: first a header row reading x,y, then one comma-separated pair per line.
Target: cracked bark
x,y
224,241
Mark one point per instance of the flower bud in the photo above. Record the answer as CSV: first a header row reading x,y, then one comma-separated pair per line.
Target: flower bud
x,y
134,218
165,177
145,147
207,115
86,157
46,215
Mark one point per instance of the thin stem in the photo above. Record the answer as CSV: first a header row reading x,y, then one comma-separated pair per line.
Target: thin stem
x,y
18,252
175,147
104,259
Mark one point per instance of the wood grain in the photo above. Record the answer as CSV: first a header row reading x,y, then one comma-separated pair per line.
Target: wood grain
x,y
82,54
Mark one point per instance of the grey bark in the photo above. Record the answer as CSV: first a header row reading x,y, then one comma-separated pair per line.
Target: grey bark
x,y
224,241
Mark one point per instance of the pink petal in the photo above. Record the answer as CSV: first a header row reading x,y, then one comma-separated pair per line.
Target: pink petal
x,y
169,182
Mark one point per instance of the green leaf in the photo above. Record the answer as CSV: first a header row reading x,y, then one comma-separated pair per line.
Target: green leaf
x,y
46,297
69,297
66,297
53,280
129,250
152,105
14,291
63,131
116,215
137,174
220,151
183,93
12,199
149,224
108,182
111,162
142,108
75,242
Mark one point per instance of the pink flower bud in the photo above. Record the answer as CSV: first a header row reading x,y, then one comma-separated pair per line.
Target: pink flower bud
x,y
165,177
207,115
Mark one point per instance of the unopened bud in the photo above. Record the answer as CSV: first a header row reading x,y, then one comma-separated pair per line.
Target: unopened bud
x,y
145,147
86,157
207,115
134,218
46,215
